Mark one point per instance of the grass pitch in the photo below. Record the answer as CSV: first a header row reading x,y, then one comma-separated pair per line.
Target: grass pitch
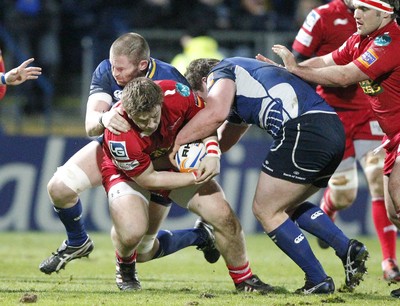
x,y
183,278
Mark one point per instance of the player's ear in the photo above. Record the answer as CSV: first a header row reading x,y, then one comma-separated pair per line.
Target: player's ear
x,y
143,64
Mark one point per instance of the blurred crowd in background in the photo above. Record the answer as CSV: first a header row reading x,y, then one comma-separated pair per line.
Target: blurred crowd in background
x,y
52,30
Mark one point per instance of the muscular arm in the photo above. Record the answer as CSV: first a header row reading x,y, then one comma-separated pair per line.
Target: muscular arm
x,y
152,180
207,121
321,70
98,105
229,134
94,109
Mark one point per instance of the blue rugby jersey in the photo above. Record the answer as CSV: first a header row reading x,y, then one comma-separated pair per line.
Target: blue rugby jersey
x,y
266,95
104,82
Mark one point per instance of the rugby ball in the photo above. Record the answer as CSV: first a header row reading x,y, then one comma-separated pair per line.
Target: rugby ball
x,y
189,156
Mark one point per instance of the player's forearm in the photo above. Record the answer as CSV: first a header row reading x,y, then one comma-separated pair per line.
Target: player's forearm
x,y
328,76
201,126
94,124
166,180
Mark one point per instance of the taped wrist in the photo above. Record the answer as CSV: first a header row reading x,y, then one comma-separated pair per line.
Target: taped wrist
x,y
212,148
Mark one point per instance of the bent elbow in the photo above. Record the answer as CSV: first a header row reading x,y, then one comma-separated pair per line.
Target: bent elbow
x,y
345,81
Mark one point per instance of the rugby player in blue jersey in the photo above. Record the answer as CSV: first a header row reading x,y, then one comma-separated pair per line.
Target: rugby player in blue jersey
x,y
308,145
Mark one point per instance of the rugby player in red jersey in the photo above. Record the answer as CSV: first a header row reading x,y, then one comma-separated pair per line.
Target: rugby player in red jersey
x,y
156,111
368,57
325,29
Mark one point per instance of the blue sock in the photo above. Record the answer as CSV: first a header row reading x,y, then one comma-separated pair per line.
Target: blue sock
x,y
291,240
172,241
73,222
312,219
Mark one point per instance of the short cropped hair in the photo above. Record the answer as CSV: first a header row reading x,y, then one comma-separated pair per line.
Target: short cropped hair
x,y
131,45
141,95
199,69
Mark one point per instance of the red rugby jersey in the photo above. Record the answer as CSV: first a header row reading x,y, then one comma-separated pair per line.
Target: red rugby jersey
x,y
325,29
377,55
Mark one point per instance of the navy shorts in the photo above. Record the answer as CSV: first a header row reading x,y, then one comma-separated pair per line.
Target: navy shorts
x,y
307,150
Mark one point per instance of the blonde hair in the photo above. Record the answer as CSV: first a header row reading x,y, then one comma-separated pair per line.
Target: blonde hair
x,y
131,45
141,95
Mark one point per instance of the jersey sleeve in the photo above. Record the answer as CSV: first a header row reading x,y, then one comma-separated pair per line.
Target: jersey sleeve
x,y
378,60
343,54
309,37
101,82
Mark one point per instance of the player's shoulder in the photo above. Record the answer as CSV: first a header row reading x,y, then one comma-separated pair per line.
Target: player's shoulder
x,y
172,87
160,66
104,66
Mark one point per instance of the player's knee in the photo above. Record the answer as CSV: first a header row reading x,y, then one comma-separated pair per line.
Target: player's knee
x,y
147,248
258,210
67,183
59,193
343,188
131,239
343,198
374,175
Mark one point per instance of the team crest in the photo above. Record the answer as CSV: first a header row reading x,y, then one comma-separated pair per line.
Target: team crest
x,y
383,40
182,89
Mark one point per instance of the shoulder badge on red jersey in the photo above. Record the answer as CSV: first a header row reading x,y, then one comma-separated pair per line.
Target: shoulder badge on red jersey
x,y
368,58
182,89
383,40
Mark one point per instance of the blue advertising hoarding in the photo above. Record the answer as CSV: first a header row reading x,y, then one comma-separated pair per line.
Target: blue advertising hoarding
x,y
27,163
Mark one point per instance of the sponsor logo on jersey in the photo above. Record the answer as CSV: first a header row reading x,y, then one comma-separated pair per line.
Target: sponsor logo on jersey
x,y
376,128
371,88
340,21
383,40
368,58
182,89
169,92
304,38
127,166
311,20
118,150
118,94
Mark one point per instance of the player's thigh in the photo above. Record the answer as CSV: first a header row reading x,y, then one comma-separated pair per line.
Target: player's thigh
x,y
206,200
89,159
128,209
274,195
157,214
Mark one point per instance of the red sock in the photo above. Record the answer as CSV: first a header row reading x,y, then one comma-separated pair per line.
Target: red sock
x,y
126,260
386,231
327,205
240,274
